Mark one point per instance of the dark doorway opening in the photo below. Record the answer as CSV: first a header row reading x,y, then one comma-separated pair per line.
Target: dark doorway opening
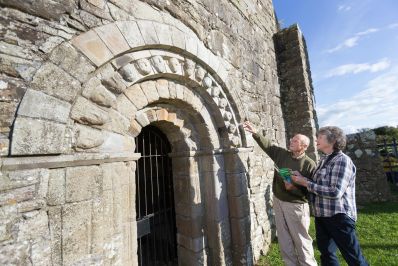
x,y
156,225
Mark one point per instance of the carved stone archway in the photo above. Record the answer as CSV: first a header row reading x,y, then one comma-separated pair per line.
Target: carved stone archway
x,y
144,73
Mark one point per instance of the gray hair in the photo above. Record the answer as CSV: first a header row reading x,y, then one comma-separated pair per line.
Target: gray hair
x,y
304,139
334,135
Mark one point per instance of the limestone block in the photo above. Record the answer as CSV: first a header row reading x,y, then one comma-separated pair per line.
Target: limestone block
x,y
18,179
33,136
148,32
97,93
117,123
56,187
91,45
162,114
193,244
191,44
142,119
36,104
17,195
87,112
181,190
237,184
76,232
17,253
179,91
239,206
56,82
152,116
41,252
188,257
164,33
82,183
145,11
117,143
125,106
98,227
189,226
172,90
4,146
135,128
33,226
87,137
150,91
240,229
137,96
178,37
203,53
66,57
131,33
112,38
31,205
114,82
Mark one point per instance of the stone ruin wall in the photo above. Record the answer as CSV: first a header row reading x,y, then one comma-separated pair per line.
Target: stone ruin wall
x,y
371,183
79,79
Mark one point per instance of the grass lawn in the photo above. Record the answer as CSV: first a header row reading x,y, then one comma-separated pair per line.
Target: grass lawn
x,y
377,229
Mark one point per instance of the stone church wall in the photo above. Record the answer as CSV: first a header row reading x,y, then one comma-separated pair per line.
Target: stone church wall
x,y
81,78
371,183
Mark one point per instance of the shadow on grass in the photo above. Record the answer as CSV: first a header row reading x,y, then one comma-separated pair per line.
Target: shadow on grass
x,y
384,247
377,208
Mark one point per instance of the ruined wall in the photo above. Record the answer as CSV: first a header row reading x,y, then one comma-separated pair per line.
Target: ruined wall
x,y
371,183
297,93
80,78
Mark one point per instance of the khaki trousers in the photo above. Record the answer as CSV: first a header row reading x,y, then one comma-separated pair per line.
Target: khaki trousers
x,y
292,224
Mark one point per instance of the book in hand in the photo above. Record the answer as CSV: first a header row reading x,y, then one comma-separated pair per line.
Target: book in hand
x,y
286,174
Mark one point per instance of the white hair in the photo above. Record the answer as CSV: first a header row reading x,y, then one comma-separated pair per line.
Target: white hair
x,y
304,140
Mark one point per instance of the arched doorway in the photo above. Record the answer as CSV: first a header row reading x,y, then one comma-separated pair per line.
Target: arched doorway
x,y
156,225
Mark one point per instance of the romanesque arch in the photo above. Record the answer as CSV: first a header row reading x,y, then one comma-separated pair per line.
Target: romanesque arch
x,y
132,74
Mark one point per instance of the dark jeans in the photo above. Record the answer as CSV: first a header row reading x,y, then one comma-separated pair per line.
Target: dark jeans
x,y
338,231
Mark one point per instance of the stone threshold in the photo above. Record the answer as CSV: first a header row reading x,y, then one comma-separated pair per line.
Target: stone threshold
x,y
59,161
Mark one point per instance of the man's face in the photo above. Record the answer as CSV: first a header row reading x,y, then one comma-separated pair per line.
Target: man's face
x,y
295,144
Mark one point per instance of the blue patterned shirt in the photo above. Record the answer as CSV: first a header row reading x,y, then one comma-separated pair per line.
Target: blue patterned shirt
x,y
333,187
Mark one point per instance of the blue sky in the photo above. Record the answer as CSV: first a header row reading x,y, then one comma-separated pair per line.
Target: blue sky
x,y
353,52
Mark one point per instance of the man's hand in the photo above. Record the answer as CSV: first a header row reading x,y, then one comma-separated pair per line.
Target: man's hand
x,y
299,179
249,127
289,186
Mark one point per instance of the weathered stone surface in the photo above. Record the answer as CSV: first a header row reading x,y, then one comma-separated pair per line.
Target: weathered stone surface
x,y
56,187
33,136
115,143
113,38
82,183
49,10
137,96
66,57
91,45
87,112
125,106
87,137
56,82
131,33
97,93
46,107
76,232
117,123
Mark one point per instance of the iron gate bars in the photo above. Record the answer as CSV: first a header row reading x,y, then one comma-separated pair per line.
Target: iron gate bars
x,y
156,230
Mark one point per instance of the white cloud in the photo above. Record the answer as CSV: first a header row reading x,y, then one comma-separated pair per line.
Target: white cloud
x,y
353,41
358,68
344,8
393,26
368,31
374,106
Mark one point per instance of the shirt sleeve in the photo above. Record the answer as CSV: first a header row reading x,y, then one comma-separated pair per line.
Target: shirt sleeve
x,y
266,145
340,177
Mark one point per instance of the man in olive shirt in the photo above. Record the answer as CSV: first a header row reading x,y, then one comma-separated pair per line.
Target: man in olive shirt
x,y
292,215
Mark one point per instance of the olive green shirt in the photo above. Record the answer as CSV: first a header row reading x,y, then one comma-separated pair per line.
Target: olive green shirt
x,y
284,159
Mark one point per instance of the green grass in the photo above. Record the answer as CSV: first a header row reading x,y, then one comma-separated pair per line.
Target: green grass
x,y
377,230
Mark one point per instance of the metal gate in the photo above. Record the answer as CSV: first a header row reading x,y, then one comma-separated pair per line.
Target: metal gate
x,y
156,226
